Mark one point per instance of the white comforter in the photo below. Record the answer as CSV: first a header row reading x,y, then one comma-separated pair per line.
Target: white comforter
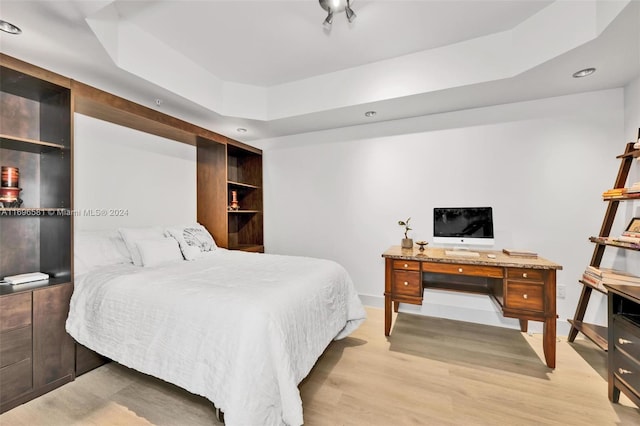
x,y
241,329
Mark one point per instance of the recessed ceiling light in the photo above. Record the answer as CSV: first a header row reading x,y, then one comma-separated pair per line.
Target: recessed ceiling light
x,y
8,27
370,113
241,130
583,73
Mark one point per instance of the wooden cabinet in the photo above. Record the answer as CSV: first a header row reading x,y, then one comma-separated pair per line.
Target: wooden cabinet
x,y
624,342
596,333
36,353
231,172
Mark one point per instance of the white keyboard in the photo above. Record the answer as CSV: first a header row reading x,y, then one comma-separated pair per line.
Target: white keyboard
x,y
462,253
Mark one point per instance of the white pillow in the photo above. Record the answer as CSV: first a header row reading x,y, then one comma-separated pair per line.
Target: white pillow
x,y
156,251
132,236
193,240
98,248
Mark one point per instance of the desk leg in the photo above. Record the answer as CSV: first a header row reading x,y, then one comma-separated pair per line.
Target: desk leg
x,y
524,325
549,341
387,314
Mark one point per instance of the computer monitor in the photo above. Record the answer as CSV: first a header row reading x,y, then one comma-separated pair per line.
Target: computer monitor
x,y
463,226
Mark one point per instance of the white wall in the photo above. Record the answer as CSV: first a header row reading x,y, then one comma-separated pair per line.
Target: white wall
x,y
150,179
541,165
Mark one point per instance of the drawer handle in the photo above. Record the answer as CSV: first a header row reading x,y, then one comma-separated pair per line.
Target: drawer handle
x,y
623,371
406,265
460,270
406,283
525,296
524,275
623,341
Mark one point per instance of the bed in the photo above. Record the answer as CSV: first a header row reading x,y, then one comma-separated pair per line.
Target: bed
x,y
241,329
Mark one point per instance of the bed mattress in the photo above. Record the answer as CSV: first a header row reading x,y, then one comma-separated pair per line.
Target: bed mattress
x,y
241,329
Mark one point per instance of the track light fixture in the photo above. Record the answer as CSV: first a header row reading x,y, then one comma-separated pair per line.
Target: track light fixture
x,y
332,6
8,27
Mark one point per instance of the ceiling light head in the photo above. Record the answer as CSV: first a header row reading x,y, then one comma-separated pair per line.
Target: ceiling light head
x,y
241,130
8,27
370,113
333,6
583,73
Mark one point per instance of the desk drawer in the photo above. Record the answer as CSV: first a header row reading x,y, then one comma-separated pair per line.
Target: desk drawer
x,y
457,269
626,336
15,311
408,283
521,295
626,369
525,274
406,265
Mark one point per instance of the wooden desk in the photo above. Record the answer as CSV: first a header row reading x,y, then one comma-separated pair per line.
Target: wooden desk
x,y
524,288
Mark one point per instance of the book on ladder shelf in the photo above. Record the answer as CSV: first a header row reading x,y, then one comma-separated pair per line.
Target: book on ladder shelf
x,y
598,277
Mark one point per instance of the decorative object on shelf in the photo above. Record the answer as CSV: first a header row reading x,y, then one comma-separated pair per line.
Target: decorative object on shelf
x,y
8,195
421,244
10,177
234,201
9,188
633,229
406,241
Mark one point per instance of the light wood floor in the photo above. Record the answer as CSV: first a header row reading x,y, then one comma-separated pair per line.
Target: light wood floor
x,y
430,371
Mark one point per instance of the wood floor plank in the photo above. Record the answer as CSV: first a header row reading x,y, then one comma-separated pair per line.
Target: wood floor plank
x,y
429,371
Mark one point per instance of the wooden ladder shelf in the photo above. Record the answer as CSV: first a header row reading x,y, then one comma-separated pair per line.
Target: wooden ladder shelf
x,y
598,333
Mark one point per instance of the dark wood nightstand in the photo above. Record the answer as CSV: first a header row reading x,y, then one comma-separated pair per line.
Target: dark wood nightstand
x,y
36,353
624,342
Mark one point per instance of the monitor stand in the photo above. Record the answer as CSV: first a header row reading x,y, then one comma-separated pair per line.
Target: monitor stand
x,y
460,248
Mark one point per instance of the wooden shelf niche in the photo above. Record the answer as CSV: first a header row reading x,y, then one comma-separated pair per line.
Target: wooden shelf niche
x,y
244,176
223,168
35,136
